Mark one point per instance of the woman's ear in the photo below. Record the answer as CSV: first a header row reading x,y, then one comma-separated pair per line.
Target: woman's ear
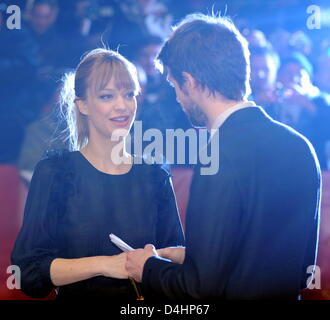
x,y
82,106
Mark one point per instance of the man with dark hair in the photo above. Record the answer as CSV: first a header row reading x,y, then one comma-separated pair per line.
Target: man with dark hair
x,y
215,54
251,228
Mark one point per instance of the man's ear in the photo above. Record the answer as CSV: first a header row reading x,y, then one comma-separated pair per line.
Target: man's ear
x,y
82,106
189,81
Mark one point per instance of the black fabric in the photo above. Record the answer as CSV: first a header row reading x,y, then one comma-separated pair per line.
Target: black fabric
x,y
251,229
71,210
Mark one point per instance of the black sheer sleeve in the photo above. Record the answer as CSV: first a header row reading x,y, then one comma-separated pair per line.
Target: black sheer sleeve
x,y
169,228
36,245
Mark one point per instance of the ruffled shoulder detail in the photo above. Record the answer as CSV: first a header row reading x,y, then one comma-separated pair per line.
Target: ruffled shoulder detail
x,y
63,185
56,154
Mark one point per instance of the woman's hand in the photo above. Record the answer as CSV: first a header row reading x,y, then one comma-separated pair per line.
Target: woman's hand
x,y
114,266
175,254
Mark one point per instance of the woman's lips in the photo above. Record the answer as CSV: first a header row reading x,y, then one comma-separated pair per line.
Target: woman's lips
x,y
120,121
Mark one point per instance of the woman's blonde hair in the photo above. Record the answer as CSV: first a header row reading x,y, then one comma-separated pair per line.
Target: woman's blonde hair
x,y
93,73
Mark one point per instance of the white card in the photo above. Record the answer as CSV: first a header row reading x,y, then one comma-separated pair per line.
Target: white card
x,y
120,243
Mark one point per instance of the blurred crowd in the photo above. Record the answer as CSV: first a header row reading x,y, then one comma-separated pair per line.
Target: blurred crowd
x,y
290,65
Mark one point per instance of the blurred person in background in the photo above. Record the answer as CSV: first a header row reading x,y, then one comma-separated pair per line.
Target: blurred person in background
x,y
280,40
45,133
184,7
42,16
301,42
157,107
134,20
286,92
302,105
41,20
42,23
255,38
82,24
151,81
146,52
264,66
322,72
19,63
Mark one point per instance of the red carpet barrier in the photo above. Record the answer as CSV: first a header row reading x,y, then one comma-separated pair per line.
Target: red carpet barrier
x,y
12,199
323,260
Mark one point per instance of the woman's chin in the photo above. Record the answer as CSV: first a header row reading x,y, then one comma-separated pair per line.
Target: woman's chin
x,y
119,133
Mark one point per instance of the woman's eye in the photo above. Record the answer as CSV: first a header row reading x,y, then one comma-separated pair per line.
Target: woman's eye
x,y
130,95
106,96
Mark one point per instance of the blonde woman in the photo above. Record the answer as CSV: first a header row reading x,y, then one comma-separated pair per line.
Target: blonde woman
x,y
78,198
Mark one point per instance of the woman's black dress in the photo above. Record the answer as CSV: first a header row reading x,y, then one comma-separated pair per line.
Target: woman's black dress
x,y
72,208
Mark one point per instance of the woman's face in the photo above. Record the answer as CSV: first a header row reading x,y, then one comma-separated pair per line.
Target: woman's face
x,y
110,111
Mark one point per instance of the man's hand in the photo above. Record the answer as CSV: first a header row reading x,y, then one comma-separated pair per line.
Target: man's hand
x,y
136,260
175,254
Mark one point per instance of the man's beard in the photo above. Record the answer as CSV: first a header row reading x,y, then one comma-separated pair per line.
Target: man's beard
x,y
195,114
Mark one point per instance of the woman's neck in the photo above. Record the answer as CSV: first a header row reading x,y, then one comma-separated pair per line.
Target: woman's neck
x,y
109,157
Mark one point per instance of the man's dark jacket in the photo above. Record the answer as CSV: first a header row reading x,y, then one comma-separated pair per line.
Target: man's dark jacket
x,y
252,228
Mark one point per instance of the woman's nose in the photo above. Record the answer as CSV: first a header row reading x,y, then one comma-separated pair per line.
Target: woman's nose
x,y
121,104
